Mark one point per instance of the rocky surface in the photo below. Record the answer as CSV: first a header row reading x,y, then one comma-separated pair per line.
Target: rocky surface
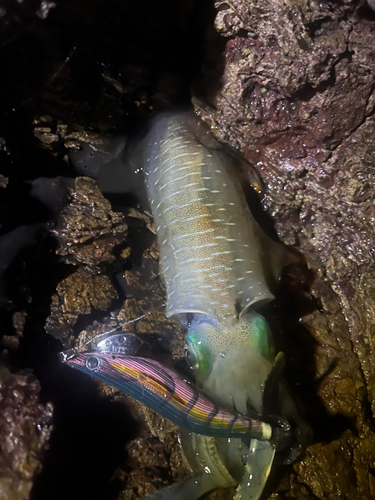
x,y
79,294
297,99
25,427
88,233
89,230
154,457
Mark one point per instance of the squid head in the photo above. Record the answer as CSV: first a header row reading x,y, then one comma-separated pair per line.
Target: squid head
x,y
231,363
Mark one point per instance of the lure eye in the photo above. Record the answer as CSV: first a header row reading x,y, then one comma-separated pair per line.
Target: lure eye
x,y
92,363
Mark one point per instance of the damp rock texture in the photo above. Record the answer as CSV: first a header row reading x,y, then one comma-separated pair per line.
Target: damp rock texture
x,y
89,233
25,427
154,457
89,229
296,97
79,294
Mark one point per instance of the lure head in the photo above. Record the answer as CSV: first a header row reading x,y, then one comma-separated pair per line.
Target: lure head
x,y
111,342
98,357
86,362
231,363
115,342
106,367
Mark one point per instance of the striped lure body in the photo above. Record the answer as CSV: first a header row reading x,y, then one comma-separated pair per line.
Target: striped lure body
x,y
209,248
169,394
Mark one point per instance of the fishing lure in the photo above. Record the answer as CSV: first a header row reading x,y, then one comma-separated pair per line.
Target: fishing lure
x,y
165,391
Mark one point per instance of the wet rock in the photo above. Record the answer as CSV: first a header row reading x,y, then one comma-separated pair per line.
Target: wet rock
x,y
297,99
140,483
325,468
154,457
89,229
291,488
25,427
11,342
51,134
79,294
149,222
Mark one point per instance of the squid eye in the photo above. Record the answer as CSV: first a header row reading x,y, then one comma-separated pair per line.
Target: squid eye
x,y
191,358
92,363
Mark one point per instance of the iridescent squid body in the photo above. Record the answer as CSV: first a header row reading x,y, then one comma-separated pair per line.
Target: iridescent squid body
x,y
211,263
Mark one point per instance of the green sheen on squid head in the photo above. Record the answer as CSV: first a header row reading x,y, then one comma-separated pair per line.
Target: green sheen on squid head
x,y
207,338
231,362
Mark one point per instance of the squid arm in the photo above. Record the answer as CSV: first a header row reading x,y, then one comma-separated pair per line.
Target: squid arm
x,y
209,472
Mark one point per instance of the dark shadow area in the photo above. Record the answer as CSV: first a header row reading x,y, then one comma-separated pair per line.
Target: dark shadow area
x,y
291,338
88,442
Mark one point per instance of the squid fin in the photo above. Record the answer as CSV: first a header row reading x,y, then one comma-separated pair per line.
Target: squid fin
x,y
257,470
